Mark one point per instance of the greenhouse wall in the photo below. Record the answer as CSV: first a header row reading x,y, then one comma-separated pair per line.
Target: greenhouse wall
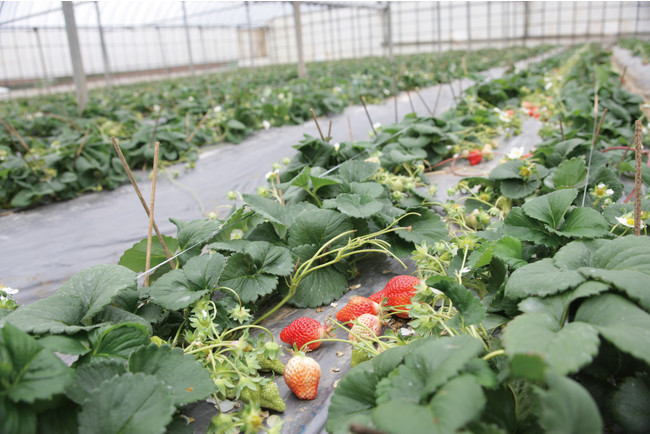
x,y
38,56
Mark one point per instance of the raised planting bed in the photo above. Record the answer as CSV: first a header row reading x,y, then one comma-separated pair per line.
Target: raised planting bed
x,y
529,299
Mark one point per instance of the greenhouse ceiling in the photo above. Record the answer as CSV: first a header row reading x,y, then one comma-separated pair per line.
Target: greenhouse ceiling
x,y
43,14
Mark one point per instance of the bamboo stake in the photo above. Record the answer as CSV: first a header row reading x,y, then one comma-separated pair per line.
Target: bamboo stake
x,y
139,194
329,132
368,115
350,130
637,178
313,115
562,129
410,101
424,102
81,146
199,125
147,262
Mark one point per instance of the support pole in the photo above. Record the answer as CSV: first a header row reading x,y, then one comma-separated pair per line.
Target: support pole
x,y
250,33
187,39
469,26
163,58
41,55
75,55
389,37
302,72
107,65
527,21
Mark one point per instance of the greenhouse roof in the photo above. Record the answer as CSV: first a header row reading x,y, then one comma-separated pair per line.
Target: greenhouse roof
x,y
29,14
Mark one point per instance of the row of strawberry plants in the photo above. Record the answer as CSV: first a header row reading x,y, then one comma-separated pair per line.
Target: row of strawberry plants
x,y
295,245
48,153
563,307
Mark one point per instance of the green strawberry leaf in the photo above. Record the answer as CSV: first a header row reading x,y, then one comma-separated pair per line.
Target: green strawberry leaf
x,y
518,225
128,403
29,371
319,227
583,222
118,340
470,308
91,375
567,407
186,379
631,404
427,227
620,322
566,349
135,257
570,173
541,278
518,188
357,171
244,276
551,207
354,205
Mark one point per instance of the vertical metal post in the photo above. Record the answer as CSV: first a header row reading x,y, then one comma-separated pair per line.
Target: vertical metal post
x,y
588,27
439,27
370,41
187,38
573,22
558,22
354,35
602,22
489,24
107,67
312,26
469,27
527,20
250,33
302,72
389,37
417,28
41,55
202,39
75,55
338,32
636,20
620,19
163,58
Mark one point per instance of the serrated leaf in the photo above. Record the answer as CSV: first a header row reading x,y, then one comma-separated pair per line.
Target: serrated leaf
x,y
507,170
354,205
318,227
203,272
319,288
135,257
631,404
570,173
577,254
29,372
128,403
267,208
517,188
119,340
195,232
469,307
566,349
244,277
624,263
64,344
173,291
519,225
541,278
620,322
357,171
427,227
585,223
550,208
414,142
457,403
372,189
17,418
97,286
55,314
91,375
509,250
568,408
353,398
187,380
393,416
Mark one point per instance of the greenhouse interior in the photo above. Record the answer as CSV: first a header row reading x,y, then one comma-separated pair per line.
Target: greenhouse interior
x,y
324,217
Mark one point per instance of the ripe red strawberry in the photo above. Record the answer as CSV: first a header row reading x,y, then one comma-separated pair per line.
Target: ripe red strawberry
x,y
475,156
356,307
302,374
398,291
303,330
367,326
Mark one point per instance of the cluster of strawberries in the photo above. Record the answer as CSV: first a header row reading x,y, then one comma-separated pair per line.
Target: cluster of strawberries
x,y
531,109
362,314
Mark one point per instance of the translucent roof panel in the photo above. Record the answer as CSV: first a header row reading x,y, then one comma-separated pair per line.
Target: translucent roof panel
x,y
29,14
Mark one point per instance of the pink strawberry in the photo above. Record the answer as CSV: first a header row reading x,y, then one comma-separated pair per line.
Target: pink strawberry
x,y
356,307
367,326
303,330
398,292
302,374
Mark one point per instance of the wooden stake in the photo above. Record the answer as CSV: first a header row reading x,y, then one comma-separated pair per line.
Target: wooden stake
x,y
142,201
147,262
313,115
424,102
329,132
199,125
435,107
368,115
638,182
562,129
410,101
350,130
81,146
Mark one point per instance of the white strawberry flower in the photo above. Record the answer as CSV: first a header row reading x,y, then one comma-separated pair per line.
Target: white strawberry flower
x,y
601,191
627,220
337,145
8,291
266,124
515,153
